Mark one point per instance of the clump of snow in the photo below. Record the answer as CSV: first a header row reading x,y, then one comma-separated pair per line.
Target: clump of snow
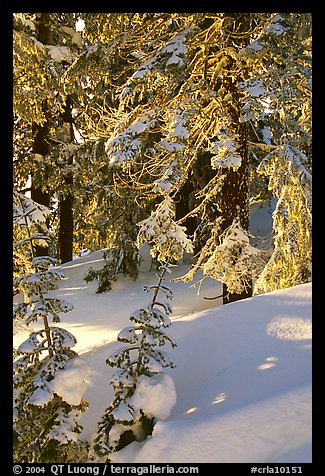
x,y
26,211
71,382
122,413
233,161
76,38
126,145
172,55
80,24
40,397
255,46
276,27
29,346
128,335
65,431
26,22
255,89
155,395
62,337
225,150
60,53
168,239
178,126
177,48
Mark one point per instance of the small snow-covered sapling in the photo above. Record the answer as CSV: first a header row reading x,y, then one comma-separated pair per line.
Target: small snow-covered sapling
x,y
143,392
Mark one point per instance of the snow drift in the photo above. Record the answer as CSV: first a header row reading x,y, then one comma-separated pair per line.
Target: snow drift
x,y
242,378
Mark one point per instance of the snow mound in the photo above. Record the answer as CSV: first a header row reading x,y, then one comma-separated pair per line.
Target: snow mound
x,y
156,396
243,383
242,377
261,432
71,382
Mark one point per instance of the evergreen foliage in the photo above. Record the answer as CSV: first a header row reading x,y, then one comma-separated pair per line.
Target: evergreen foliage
x,y
124,261
129,418
46,425
136,106
140,363
229,88
233,260
148,127
290,263
168,239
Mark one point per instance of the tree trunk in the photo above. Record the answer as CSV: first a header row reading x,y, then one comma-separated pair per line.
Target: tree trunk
x,y
234,203
65,237
40,145
37,194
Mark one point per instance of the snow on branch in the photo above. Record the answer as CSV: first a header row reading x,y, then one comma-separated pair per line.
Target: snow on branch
x,y
290,263
167,238
171,55
234,261
283,165
225,149
143,392
27,211
126,145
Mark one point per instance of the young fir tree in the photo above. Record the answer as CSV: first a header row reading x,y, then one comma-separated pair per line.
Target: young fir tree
x,y
233,260
46,407
143,392
118,216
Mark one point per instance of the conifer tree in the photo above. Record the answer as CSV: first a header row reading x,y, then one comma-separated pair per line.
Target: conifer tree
x,y
143,392
232,260
40,57
54,115
290,263
214,94
46,413
280,58
188,104
139,381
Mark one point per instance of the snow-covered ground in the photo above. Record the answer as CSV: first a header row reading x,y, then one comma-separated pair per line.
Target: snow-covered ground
x,y
243,375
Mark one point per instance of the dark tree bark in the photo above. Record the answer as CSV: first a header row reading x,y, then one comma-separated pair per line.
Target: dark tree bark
x,y
65,236
40,145
234,203
37,194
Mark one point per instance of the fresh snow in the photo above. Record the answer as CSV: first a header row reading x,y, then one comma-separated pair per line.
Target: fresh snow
x,y
156,396
71,382
32,212
60,53
241,389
